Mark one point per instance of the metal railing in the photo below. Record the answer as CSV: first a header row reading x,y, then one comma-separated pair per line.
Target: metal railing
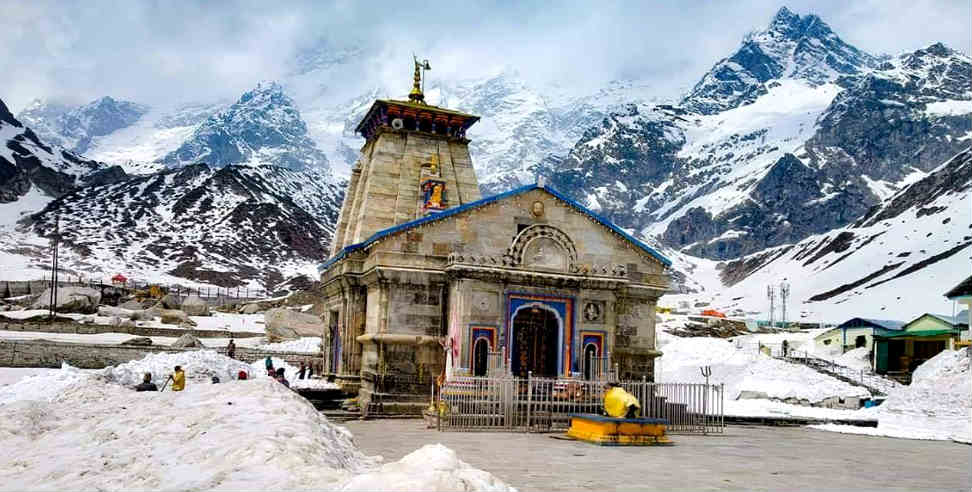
x,y
534,404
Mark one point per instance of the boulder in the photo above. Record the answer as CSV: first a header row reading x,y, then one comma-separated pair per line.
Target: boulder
x,y
175,317
194,306
251,308
138,341
132,305
114,311
188,341
286,324
170,301
71,300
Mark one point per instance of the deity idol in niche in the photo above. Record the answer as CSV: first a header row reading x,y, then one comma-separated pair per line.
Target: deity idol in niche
x,y
436,199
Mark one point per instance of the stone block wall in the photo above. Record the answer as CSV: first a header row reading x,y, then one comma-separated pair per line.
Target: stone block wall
x,y
41,353
70,326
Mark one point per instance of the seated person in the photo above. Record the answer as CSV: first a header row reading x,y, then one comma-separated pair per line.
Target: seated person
x,y
147,384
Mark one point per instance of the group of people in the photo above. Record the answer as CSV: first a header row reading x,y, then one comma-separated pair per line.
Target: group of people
x,y
178,376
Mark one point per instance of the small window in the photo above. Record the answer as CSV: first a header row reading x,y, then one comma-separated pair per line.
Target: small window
x,y
826,342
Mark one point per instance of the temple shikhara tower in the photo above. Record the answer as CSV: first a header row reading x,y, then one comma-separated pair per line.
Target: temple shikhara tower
x,y
428,279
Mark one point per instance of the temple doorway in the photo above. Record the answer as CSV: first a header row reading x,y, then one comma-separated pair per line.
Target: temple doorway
x,y
590,362
480,356
335,354
536,342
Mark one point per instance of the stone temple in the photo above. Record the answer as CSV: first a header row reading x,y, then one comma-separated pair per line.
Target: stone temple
x,y
428,279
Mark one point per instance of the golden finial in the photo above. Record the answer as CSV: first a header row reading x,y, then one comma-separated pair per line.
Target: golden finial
x,y
418,84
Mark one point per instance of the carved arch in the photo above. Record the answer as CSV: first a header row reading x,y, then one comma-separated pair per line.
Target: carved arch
x,y
536,232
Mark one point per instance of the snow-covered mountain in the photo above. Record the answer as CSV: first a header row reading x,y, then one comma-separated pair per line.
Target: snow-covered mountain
x,y
895,262
74,127
224,226
221,226
262,127
791,47
26,161
793,137
806,155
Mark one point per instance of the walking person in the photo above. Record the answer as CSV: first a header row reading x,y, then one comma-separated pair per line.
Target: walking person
x,y
302,371
786,348
147,384
269,363
231,349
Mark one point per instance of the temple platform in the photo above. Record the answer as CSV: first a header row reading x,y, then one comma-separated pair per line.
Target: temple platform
x,y
613,431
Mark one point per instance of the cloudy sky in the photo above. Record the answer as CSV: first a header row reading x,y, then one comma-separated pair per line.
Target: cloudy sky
x,y
161,52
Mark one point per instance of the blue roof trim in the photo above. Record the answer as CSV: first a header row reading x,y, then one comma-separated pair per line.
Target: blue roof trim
x,y
886,324
484,201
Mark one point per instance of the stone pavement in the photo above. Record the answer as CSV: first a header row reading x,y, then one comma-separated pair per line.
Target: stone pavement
x,y
746,457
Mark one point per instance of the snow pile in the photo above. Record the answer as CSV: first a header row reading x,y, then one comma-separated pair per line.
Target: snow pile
x,y
199,365
308,345
746,373
92,434
859,358
313,384
44,386
936,405
432,467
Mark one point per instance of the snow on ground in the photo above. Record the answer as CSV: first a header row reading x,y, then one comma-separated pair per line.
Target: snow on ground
x,y
309,345
10,375
77,430
858,358
743,370
199,366
250,323
431,467
937,404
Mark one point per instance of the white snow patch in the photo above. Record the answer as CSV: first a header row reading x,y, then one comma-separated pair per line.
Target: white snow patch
x,y
948,108
936,405
74,430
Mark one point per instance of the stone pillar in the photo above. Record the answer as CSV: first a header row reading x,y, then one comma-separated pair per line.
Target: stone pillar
x,y
634,338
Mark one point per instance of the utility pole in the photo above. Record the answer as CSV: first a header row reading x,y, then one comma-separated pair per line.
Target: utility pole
x,y
771,295
52,309
784,293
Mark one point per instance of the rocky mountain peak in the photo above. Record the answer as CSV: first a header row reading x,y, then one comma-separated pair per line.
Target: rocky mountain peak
x,y
74,127
7,117
262,127
790,47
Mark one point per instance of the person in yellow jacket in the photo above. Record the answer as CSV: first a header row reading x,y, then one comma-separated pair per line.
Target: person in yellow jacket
x,y
178,379
620,403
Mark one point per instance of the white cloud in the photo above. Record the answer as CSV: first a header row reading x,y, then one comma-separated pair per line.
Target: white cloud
x,y
157,52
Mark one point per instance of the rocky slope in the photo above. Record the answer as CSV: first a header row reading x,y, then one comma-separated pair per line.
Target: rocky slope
x,y
25,161
894,262
811,151
224,226
262,127
75,127
792,46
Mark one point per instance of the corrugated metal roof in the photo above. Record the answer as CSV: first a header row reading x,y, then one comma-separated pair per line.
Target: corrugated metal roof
x,y
886,324
963,289
478,203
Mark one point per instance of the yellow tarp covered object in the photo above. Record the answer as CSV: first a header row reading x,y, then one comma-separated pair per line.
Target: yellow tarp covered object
x,y
617,401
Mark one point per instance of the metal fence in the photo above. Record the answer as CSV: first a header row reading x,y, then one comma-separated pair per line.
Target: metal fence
x,y
211,294
533,404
